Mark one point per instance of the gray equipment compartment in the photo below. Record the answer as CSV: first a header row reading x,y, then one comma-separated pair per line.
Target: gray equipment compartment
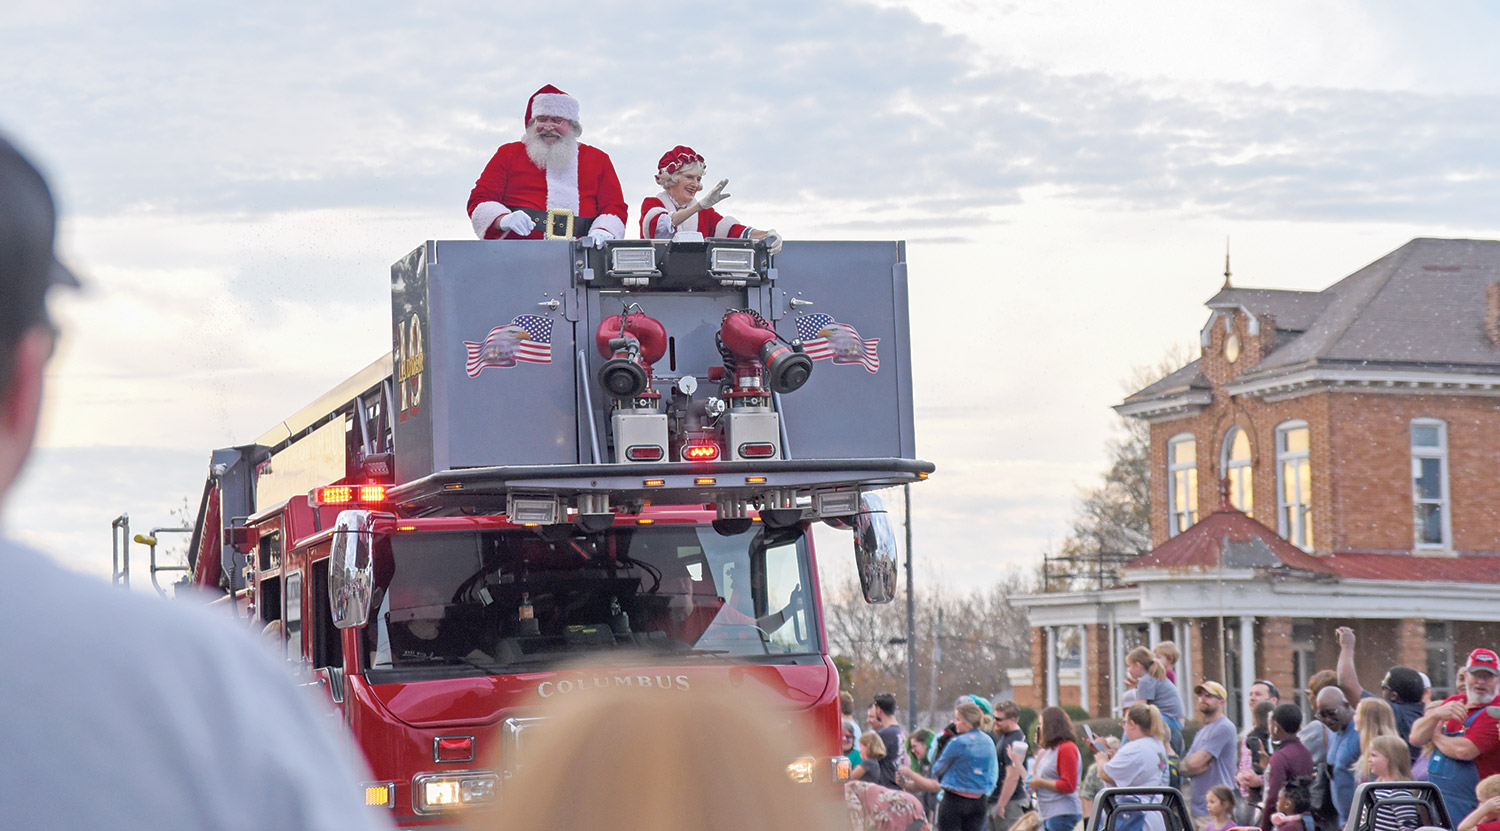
x,y
495,363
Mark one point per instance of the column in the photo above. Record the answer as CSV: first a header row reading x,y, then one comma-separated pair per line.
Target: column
x,y
1084,658
1052,696
1185,666
1114,669
1247,664
1153,629
1411,643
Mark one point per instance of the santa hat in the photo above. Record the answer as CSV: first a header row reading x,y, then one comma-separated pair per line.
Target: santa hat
x,y
550,100
677,158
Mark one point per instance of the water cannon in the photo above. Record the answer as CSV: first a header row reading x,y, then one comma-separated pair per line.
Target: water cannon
x,y
632,342
757,356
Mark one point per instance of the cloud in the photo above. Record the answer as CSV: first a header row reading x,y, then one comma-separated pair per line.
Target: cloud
x,y
289,106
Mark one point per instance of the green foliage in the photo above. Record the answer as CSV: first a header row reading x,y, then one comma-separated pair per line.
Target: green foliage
x,y
1076,713
1027,718
845,666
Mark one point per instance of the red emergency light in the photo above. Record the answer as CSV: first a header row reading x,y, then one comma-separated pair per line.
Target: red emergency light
x,y
704,452
757,450
644,453
348,494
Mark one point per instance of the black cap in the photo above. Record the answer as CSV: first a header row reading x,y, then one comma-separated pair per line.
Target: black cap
x,y
28,225
1405,683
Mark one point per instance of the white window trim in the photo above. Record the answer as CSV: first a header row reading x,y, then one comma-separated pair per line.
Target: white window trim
x,y
1444,502
1282,457
1225,448
1174,521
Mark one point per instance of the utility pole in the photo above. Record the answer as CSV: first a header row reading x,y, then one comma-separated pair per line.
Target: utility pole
x,y
911,623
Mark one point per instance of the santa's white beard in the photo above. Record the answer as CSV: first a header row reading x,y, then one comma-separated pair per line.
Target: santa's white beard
x,y
553,156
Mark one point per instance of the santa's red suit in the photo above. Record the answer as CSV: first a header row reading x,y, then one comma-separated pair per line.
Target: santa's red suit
x,y
511,180
656,220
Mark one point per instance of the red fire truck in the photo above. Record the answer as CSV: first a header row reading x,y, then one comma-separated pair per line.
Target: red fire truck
x,y
574,452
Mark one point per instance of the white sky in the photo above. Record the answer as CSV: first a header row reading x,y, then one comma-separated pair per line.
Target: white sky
x,y
235,185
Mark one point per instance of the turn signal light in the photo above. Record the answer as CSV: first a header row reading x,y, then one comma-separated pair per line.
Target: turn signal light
x,y
380,794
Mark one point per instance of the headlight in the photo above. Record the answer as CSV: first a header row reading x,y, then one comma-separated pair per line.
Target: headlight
x,y
801,771
434,793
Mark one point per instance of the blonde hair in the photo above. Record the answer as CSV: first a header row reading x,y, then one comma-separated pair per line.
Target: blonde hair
x,y
667,180
1488,787
1397,755
969,711
1146,658
681,736
1167,651
1373,718
1148,718
871,745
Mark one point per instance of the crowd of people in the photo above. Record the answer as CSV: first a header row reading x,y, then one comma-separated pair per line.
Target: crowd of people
x,y
1281,772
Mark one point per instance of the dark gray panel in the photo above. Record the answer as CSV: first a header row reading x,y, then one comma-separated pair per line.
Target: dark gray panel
x,y
515,403
847,411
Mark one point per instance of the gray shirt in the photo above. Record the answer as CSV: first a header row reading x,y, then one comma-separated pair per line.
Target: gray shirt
x,y
129,712
1162,693
1220,740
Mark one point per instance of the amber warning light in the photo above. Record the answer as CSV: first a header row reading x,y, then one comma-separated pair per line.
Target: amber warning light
x,y
348,495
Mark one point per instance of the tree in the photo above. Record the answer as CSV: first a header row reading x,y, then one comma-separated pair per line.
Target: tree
x,y
1112,521
979,636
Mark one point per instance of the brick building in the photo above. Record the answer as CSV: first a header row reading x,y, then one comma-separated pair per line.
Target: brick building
x,y
1332,458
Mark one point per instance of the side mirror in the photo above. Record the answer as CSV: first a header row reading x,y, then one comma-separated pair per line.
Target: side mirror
x,y
351,569
874,550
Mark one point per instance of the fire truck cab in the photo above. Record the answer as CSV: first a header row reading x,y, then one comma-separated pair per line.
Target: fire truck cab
x,y
610,455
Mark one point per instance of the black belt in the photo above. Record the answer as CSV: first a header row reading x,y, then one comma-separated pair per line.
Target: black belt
x,y
559,223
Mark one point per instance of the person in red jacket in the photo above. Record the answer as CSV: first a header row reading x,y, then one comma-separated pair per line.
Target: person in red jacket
x,y
1056,773
680,173
548,177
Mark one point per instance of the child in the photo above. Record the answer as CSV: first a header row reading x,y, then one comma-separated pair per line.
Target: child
x,y
1487,816
1294,806
1220,802
871,751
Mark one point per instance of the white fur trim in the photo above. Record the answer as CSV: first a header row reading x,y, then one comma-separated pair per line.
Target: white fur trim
x,y
690,224
610,223
551,103
658,224
485,214
562,186
725,225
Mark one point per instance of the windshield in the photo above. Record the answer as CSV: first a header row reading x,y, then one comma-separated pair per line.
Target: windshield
x,y
496,599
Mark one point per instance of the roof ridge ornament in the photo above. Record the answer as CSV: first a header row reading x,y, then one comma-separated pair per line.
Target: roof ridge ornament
x,y
1227,285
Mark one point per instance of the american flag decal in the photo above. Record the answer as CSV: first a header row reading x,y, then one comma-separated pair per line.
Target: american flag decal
x,y
823,337
527,338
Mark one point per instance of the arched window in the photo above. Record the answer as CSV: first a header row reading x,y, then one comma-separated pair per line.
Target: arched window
x,y
1234,460
1182,484
1294,484
1431,524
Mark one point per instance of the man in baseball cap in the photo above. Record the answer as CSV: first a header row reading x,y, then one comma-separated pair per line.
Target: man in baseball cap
x,y
88,665
1214,754
28,266
1465,729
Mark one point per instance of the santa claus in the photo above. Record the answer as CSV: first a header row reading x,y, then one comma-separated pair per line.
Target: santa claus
x,y
675,211
534,185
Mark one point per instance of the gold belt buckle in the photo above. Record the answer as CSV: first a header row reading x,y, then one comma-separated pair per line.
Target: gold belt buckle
x,y
559,218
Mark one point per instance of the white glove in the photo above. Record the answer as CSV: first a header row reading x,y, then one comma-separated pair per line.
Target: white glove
x,y
518,223
715,196
773,241
599,235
